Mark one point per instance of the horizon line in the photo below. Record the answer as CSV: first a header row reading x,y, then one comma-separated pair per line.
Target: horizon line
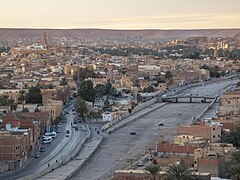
x,y
113,29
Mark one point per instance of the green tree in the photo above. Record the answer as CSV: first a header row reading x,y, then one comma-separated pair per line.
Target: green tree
x,y
34,95
63,82
81,107
22,96
232,137
100,90
84,73
235,166
178,172
150,89
168,76
86,91
108,87
5,101
153,170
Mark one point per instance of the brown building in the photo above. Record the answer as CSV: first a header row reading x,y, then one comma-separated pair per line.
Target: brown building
x,y
24,123
214,164
14,148
59,93
210,131
135,175
229,103
43,117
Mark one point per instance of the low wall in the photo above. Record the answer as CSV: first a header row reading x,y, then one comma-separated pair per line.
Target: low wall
x,y
55,165
85,160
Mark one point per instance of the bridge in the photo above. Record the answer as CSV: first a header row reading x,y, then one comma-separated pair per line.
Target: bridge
x,y
202,99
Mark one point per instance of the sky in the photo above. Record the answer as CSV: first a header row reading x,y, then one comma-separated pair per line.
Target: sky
x,y
120,14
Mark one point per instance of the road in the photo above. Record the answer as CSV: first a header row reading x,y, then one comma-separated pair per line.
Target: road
x,y
120,148
54,152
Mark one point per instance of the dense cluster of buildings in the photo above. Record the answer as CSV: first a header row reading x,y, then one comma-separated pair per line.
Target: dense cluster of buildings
x,y
47,63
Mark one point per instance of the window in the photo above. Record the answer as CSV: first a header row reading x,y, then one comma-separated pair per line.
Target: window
x,y
214,129
218,135
213,136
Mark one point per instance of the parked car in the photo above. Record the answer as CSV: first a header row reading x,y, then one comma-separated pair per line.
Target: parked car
x,y
46,141
58,130
42,149
37,155
76,128
51,134
47,138
140,164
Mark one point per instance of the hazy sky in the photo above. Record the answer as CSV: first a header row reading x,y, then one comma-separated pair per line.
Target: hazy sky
x,y
121,14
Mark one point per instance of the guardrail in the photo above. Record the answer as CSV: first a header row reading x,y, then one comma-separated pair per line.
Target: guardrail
x,y
56,164
158,99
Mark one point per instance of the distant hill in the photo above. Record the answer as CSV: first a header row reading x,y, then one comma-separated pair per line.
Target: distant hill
x,y
114,34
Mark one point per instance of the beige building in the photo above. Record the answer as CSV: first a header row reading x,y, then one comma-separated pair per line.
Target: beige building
x,y
59,93
53,107
209,130
229,103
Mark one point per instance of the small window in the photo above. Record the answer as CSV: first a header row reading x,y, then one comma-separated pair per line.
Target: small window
x,y
213,136
214,129
218,135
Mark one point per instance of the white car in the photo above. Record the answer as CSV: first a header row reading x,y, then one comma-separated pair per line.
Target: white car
x,y
45,141
47,138
51,134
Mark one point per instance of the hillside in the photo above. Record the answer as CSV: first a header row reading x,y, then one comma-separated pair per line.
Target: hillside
x,y
114,34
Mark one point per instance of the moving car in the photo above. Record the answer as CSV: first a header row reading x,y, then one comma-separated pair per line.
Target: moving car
x,y
67,133
160,124
133,133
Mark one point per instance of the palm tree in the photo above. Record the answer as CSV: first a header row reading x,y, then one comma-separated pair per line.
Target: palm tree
x,y
152,170
178,172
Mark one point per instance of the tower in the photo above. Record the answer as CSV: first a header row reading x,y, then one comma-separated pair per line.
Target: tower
x,y
216,52
44,41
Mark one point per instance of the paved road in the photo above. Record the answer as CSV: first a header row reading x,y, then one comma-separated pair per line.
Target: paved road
x,y
120,148
59,148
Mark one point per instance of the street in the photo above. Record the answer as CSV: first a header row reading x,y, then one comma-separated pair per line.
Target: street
x,y
59,148
120,149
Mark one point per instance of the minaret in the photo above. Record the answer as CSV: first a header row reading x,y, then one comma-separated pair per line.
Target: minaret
x,y
44,40
216,52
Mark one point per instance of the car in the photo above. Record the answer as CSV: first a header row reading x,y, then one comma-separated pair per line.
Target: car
x,y
42,149
76,128
160,124
37,155
83,128
73,125
51,134
133,133
67,133
140,164
46,141
58,130
47,138
151,157
73,109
